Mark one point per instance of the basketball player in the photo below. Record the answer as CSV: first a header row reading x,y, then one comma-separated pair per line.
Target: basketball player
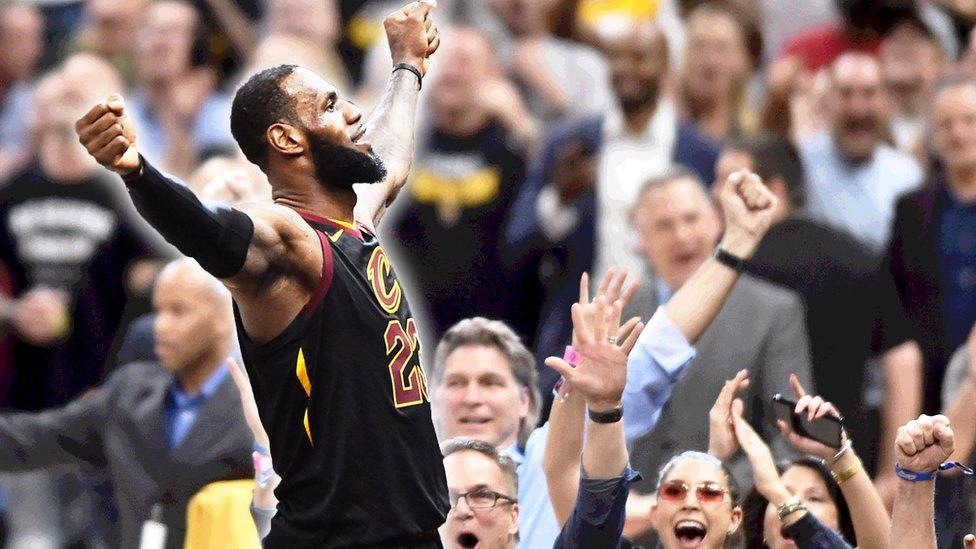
x,y
326,334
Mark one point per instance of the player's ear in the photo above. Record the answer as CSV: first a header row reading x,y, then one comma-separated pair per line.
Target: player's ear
x,y
285,139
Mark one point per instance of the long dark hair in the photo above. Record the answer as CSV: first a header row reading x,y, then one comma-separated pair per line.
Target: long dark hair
x,y
754,506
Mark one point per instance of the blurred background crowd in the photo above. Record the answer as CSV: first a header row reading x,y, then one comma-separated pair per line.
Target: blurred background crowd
x,y
541,123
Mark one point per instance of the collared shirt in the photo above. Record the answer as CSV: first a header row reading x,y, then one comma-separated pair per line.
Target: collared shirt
x,y
181,409
599,514
957,268
858,198
625,163
537,520
653,368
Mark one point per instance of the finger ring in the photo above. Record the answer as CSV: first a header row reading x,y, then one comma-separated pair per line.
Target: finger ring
x,y
612,340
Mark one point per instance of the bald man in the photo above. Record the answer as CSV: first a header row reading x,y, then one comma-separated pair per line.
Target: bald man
x,y
162,430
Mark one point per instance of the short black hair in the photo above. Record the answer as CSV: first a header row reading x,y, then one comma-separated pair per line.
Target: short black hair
x,y
259,103
773,157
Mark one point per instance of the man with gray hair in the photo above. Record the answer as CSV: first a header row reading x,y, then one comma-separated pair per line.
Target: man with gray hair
x,y
760,327
484,385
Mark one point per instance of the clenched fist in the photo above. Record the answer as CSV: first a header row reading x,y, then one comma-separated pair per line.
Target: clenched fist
x,y
412,35
923,444
748,206
109,136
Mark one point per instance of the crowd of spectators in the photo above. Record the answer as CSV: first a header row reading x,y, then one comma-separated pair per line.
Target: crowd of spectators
x,y
566,148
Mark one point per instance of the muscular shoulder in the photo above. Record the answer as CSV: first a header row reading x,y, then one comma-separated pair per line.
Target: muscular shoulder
x,y
283,220
284,244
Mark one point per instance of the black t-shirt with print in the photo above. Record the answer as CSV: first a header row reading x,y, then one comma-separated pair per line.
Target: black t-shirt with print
x,y
445,233
73,237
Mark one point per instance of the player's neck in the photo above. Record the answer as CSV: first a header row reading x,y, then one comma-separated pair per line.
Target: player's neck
x,y
324,202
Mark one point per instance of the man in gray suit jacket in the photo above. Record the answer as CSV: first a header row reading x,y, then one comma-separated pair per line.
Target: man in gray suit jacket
x,y
760,328
163,431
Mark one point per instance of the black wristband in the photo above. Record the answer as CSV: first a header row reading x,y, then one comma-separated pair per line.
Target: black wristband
x,y
413,69
725,258
613,416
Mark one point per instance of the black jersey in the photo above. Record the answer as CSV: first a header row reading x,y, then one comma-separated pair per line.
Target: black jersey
x,y
344,400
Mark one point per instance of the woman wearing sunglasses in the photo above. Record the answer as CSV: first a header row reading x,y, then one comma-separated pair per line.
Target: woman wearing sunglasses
x,y
800,505
696,503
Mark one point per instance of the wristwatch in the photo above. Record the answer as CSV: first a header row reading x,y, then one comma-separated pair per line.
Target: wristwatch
x,y
731,261
611,416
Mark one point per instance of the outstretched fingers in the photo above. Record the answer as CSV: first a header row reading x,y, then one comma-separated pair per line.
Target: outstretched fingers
x,y
632,337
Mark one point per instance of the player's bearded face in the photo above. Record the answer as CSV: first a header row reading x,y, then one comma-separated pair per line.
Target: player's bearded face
x,y
342,167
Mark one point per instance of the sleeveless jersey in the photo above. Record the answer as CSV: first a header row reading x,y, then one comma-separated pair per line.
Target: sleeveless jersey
x,y
344,400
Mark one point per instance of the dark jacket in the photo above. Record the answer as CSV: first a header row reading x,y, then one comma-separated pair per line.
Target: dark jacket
x,y
913,262
119,425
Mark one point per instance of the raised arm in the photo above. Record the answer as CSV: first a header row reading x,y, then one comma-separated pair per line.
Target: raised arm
x,y
748,207
561,462
597,519
921,446
868,513
247,250
413,38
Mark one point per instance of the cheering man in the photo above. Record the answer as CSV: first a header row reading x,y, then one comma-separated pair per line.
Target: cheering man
x,y
326,334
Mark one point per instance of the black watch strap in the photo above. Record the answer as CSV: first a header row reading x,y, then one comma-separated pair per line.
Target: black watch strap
x,y
414,70
733,262
611,416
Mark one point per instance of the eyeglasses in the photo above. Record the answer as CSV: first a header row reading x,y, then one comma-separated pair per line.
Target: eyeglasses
x,y
710,493
480,499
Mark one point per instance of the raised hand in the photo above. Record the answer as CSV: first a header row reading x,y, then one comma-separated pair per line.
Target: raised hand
x,y
602,372
412,35
748,207
814,407
722,442
764,472
923,444
611,288
110,136
41,316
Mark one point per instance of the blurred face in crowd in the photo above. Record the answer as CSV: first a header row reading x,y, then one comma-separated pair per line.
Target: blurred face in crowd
x,y
466,66
492,528
164,46
480,397
954,126
21,41
857,105
716,62
111,25
694,508
809,486
677,227
911,63
193,318
638,64
522,17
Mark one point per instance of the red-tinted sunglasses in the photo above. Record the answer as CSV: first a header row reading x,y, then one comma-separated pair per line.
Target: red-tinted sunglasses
x,y
708,492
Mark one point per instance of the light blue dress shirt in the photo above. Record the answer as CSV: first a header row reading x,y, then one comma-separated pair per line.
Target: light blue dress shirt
x,y
653,367
181,409
857,198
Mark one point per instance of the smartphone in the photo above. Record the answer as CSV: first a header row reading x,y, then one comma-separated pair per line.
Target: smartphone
x,y
825,430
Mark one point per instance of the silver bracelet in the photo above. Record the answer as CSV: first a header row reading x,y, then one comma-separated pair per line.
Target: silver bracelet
x,y
843,450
